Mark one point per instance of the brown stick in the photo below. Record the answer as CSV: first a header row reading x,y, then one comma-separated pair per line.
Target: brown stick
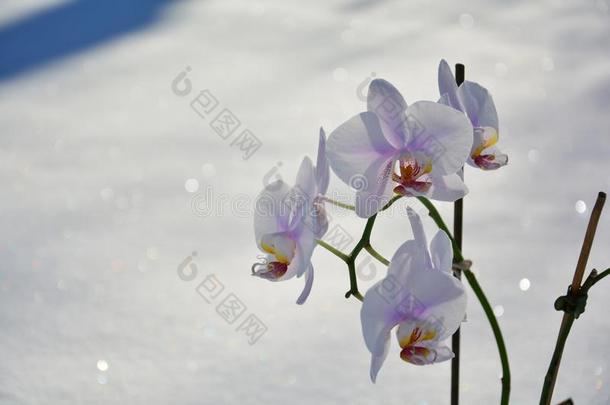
x,y
568,319
588,242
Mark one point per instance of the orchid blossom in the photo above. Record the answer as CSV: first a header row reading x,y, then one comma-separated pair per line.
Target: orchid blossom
x,y
288,221
475,101
389,151
421,296
397,149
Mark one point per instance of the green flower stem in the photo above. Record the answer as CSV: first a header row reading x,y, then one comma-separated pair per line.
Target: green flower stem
x,y
376,255
549,379
351,262
495,327
436,216
351,267
353,282
592,279
333,250
339,204
365,240
478,291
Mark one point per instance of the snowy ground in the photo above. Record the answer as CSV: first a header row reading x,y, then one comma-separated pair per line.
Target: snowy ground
x,y
95,150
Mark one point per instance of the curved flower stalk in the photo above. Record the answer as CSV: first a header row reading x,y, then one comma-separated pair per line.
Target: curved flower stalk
x,y
289,220
420,296
475,101
393,148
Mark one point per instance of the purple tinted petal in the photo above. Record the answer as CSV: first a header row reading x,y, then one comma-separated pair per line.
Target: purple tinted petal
x,y
387,103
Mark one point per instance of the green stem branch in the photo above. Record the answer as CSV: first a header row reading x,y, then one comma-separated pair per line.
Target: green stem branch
x,y
339,204
438,220
594,278
365,240
333,250
495,327
376,255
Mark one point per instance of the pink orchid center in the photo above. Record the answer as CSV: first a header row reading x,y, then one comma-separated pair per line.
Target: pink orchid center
x,y
282,250
269,271
486,161
412,175
412,349
489,137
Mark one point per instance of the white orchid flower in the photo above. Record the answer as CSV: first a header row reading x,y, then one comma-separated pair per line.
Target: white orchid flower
x,y
421,296
394,148
287,222
476,102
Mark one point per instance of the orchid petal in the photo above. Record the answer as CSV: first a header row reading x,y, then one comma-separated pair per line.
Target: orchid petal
x,y
414,294
443,353
302,196
387,103
378,360
441,252
377,318
437,293
478,105
379,313
308,284
444,99
376,188
437,297
441,133
271,213
407,257
355,145
309,209
306,243
306,181
380,308
447,188
419,235
448,87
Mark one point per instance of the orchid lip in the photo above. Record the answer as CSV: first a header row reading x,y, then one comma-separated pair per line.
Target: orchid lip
x,y
486,161
418,355
255,267
412,175
269,271
412,349
489,141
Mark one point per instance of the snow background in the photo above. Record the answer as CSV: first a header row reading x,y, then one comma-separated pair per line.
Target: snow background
x,y
95,150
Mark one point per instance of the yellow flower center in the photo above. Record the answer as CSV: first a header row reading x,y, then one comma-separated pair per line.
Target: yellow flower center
x,y
412,351
281,246
487,142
